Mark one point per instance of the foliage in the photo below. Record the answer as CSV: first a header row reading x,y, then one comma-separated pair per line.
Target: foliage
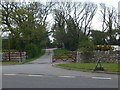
x,y
113,37
109,22
69,26
60,51
11,50
26,24
101,37
85,44
66,34
98,37
32,50
85,47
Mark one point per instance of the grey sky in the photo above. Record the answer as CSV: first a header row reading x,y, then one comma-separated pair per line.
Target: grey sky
x,y
96,21
108,2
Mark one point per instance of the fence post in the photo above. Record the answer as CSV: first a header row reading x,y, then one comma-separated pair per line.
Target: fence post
x,y
9,48
77,57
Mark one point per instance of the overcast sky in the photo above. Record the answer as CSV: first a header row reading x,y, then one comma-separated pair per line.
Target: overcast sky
x,y
108,2
96,21
114,3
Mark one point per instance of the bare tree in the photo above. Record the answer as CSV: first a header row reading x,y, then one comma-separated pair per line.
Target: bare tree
x,y
7,9
109,17
75,19
89,12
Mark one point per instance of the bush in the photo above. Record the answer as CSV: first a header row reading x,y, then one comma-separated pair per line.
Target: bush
x,y
32,50
86,46
11,50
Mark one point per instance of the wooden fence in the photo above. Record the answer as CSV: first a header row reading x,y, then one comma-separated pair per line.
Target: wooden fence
x,y
14,56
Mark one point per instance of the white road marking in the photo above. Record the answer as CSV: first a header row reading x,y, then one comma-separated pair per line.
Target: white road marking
x,y
102,78
35,75
67,76
9,74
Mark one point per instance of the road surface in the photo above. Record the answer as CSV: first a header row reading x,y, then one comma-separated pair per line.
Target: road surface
x,y
41,74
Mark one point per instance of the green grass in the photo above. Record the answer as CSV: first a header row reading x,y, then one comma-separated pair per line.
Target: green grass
x,y
109,67
61,52
9,62
16,62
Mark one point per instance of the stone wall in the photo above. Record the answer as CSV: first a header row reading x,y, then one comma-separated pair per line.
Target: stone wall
x,y
103,56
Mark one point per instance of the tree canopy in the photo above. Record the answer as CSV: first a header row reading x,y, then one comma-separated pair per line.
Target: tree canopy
x,y
72,26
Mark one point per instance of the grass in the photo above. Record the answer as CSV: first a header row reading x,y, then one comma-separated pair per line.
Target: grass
x,y
16,62
60,51
9,63
109,67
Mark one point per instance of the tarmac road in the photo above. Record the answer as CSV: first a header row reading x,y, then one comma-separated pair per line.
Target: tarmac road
x,y
41,74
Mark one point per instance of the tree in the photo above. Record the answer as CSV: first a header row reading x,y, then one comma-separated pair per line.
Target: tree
x,y
101,38
98,37
71,21
109,21
90,10
26,24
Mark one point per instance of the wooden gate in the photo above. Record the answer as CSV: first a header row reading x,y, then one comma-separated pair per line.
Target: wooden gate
x,y
67,56
14,56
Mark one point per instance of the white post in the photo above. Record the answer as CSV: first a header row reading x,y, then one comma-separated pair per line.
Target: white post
x,y
78,56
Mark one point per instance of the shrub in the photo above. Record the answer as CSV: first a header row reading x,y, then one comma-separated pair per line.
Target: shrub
x,y
11,50
86,46
32,50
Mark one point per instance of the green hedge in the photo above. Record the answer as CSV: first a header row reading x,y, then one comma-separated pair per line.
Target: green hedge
x,y
32,50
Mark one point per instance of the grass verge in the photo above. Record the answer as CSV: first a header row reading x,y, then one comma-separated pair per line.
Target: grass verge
x,y
109,67
16,62
9,63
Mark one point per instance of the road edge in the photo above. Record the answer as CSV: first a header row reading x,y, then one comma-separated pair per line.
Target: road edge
x,y
68,68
